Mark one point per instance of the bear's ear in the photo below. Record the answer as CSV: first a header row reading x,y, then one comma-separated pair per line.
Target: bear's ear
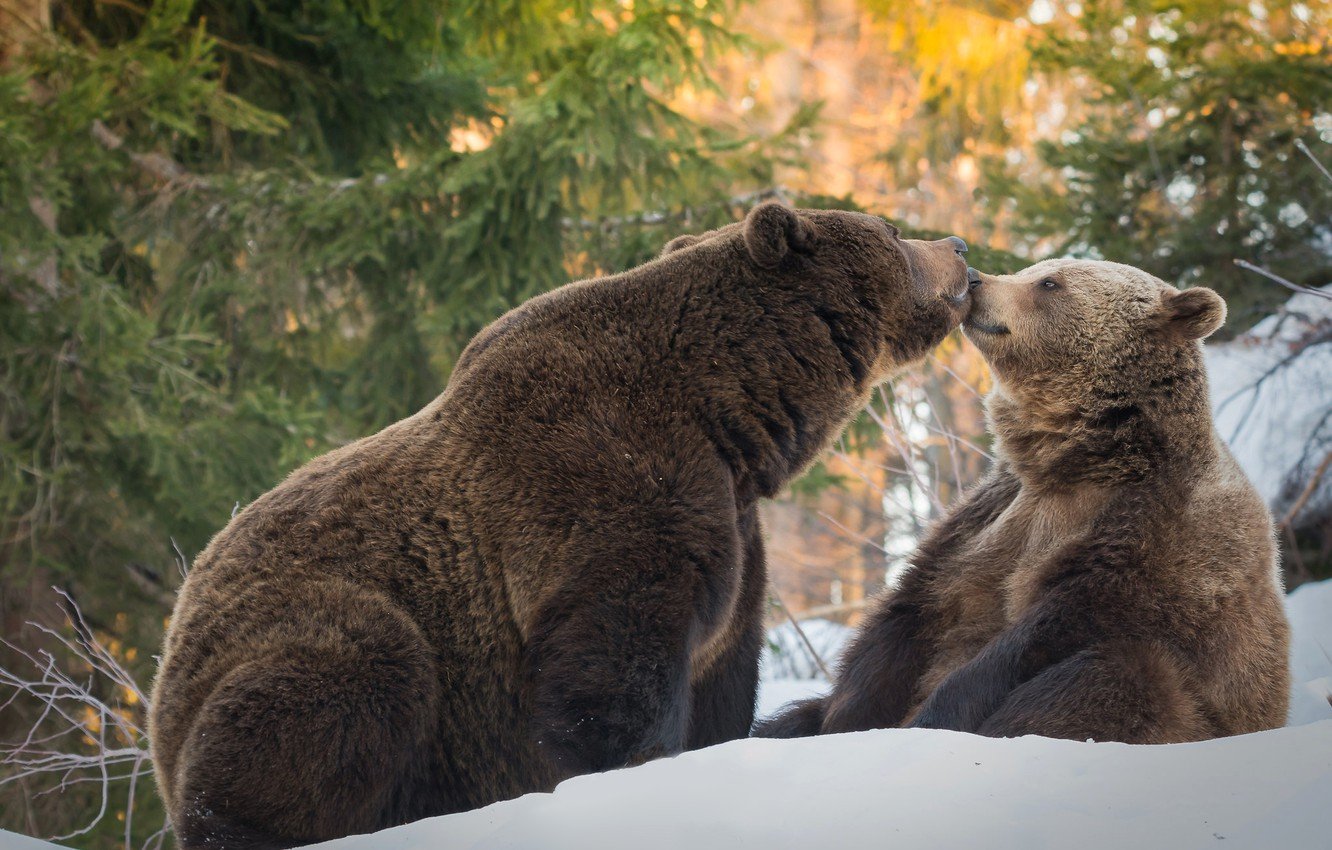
x,y
772,230
1195,313
686,241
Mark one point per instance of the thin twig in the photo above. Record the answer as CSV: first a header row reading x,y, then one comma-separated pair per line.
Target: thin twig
x,y
1276,278
859,537
157,165
1301,573
1304,149
1318,337
1308,491
804,638
73,718
820,611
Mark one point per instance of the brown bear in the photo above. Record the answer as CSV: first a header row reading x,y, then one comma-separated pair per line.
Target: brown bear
x,y
554,568
1114,577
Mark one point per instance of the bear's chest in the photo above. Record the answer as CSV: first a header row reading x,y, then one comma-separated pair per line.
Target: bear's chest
x,y
999,574
1038,536
996,577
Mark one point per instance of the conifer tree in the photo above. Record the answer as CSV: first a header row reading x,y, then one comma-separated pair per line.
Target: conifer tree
x,y
1182,156
233,236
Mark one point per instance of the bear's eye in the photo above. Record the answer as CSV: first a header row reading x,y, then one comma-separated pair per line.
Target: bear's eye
x,y
1049,283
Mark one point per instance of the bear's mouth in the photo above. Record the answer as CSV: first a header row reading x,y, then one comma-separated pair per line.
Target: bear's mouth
x,y
959,299
993,330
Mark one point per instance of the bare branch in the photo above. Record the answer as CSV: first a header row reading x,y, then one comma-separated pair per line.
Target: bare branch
x,y
157,165
1308,491
820,611
78,737
804,638
1319,336
1304,149
1276,278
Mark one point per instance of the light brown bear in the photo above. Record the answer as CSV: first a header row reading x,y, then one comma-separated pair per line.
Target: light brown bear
x,y
554,568
1114,577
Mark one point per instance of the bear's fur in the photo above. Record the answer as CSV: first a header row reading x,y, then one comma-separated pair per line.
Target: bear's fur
x,y
554,568
1114,576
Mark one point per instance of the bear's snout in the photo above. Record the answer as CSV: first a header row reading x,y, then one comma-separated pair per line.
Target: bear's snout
x,y
939,268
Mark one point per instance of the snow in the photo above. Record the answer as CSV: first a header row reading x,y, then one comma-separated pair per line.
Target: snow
x,y
913,788
14,841
786,670
787,657
1310,611
917,788
1269,425
926,789
775,693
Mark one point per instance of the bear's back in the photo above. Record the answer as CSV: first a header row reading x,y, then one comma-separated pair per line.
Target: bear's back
x,y
558,408
379,525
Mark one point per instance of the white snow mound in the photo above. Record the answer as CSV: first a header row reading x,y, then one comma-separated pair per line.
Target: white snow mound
x,y
912,788
921,789
915,788
1309,608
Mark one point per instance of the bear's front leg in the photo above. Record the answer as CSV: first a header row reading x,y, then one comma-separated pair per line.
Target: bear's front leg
x,y
881,670
609,664
1053,630
724,691
970,694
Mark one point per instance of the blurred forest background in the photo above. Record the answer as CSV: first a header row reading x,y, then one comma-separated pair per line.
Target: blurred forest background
x,y
236,235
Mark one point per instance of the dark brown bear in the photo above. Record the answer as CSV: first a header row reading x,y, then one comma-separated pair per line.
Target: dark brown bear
x,y
1114,577
554,568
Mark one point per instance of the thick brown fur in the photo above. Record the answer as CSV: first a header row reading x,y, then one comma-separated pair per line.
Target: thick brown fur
x,y
1115,576
554,568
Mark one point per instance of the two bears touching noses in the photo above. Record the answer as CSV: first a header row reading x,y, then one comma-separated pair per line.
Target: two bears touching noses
x,y
557,566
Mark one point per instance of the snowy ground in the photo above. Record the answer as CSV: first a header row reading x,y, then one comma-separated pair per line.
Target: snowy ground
x,y
1310,611
928,789
922,789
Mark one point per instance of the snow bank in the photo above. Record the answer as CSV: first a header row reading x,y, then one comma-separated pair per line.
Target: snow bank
x,y
925,789
918,789
915,788
1310,611
1268,424
14,841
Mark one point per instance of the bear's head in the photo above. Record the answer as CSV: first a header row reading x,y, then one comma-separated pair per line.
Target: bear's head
x,y
1098,366
902,295
1086,320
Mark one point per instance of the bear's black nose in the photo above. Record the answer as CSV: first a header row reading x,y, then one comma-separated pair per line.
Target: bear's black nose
x,y
958,244
973,278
